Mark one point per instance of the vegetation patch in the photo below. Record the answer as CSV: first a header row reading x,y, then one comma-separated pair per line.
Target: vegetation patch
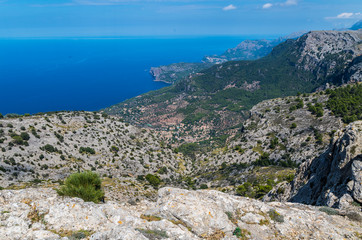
x,y
85,185
241,233
275,216
153,234
345,102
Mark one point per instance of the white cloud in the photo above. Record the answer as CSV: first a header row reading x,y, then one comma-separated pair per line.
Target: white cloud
x,y
286,3
228,8
347,15
267,5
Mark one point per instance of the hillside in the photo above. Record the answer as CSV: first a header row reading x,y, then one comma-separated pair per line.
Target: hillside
x,y
211,104
44,149
246,50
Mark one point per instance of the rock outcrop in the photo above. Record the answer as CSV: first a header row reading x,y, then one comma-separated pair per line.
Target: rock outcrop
x,y
333,179
178,214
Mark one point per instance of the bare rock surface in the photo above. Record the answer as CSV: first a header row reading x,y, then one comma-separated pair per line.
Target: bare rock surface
x,y
335,177
178,214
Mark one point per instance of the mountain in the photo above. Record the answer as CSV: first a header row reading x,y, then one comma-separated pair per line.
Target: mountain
x,y
286,127
357,25
217,100
246,50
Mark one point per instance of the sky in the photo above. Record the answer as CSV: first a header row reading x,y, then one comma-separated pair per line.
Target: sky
x,y
99,18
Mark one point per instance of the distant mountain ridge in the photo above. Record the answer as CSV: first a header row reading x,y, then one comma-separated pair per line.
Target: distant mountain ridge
x,y
357,25
246,50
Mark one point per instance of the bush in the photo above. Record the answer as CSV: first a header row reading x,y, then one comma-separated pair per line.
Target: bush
x,y
25,136
153,180
85,185
49,148
275,216
329,211
87,150
241,233
114,149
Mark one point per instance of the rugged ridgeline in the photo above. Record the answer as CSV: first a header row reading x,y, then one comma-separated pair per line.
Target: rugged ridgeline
x,y
217,101
47,148
334,178
246,50
177,214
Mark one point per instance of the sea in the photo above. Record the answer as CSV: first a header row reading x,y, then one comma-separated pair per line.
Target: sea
x,y
55,74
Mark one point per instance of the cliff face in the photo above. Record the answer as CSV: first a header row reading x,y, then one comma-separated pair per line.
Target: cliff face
x,y
177,214
333,179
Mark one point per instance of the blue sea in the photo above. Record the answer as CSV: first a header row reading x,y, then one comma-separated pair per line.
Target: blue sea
x,y
41,75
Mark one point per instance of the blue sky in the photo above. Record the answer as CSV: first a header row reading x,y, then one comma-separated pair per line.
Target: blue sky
x,y
48,18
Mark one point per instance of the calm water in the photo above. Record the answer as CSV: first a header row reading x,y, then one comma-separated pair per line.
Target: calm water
x,y
39,75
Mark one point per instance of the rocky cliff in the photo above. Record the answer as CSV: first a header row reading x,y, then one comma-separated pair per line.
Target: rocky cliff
x,y
177,214
334,178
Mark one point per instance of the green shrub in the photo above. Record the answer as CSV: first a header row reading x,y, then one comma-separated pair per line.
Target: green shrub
x,y
153,179
49,148
17,140
114,149
87,150
203,186
85,185
241,233
25,136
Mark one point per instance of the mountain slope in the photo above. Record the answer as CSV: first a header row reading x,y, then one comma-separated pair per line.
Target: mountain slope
x,y
219,98
47,148
246,50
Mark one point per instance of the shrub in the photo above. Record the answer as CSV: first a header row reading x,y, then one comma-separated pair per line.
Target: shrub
x,y
294,125
114,149
25,136
203,186
275,216
241,233
329,211
17,140
85,185
49,148
87,150
153,179
1,116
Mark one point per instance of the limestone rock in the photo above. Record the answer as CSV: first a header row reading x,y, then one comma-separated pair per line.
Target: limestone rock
x,y
334,178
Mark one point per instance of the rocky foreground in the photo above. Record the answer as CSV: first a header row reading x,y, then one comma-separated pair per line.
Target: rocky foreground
x,y
177,214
